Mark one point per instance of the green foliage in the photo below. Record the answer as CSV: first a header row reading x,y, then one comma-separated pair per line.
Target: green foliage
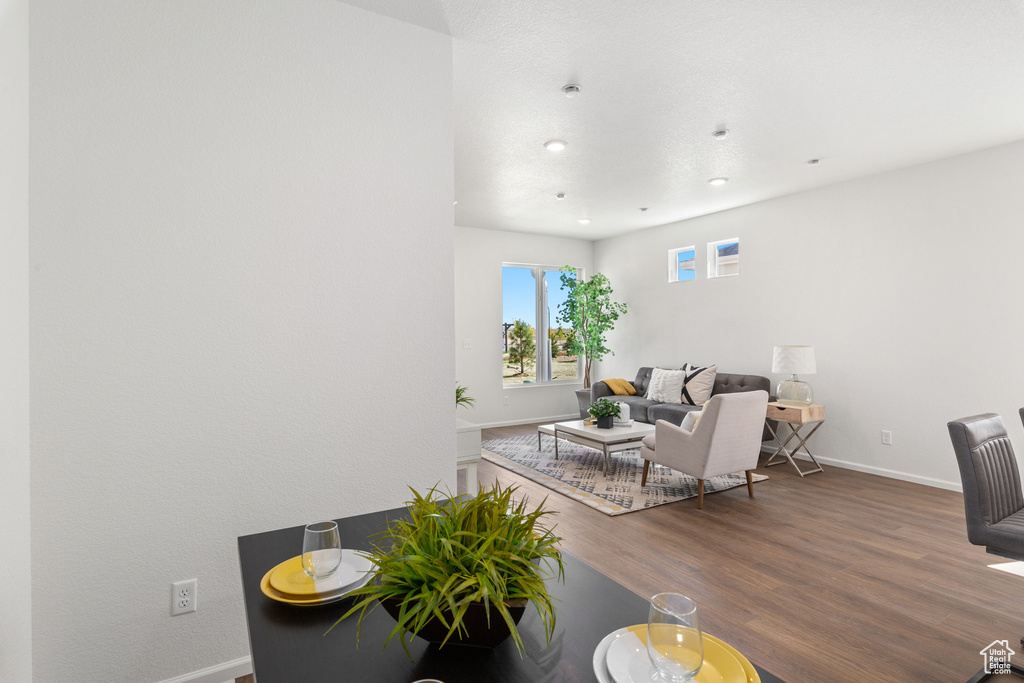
x,y
462,398
602,407
570,341
554,334
590,311
522,346
452,553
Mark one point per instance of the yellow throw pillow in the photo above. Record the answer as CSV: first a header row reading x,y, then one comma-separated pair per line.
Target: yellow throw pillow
x,y
621,387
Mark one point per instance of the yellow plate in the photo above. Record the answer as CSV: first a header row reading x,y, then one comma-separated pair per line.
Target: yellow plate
x,y
364,571
290,579
748,668
628,662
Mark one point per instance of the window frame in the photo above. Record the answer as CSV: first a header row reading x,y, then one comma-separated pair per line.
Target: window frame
x,y
673,263
715,262
547,319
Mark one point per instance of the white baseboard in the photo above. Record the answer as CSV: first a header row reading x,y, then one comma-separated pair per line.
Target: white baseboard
x,y
529,420
880,471
219,673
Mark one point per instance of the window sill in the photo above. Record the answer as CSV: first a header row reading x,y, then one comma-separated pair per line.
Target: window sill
x,y
535,385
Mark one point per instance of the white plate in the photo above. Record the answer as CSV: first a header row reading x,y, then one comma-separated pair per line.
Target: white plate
x,y
363,566
600,668
626,661
364,570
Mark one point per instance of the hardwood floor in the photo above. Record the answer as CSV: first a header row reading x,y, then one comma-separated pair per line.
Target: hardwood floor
x,y
839,576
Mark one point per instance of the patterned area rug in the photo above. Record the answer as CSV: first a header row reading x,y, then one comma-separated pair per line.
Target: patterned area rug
x,y
579,474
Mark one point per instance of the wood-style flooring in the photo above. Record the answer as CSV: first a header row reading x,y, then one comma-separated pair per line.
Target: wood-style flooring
x,y
839,576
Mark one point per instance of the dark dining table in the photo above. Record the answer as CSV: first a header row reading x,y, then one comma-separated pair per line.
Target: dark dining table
x,y
289,643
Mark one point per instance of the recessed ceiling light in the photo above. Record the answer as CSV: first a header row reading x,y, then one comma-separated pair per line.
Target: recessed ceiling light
x,y
571,90
555,145
720,133
718,181
813,161
584,221
560,195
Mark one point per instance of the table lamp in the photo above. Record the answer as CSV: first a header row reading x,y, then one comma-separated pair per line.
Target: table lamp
x,y
794,360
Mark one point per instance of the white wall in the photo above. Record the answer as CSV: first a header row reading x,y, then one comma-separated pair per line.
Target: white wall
x,y
907,284
15,541
478,258
242,315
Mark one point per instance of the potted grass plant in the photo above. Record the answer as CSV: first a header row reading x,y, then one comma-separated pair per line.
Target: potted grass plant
x,y
462,570
462,397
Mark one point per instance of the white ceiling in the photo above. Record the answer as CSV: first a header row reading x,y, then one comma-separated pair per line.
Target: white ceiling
x,y
864,85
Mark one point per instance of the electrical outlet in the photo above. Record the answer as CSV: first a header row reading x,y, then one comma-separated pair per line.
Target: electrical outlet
x,y
183,597
504,400
467,343
886,437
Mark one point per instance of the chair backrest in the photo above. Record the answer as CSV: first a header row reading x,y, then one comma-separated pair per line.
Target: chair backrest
x,y
730,430
988,472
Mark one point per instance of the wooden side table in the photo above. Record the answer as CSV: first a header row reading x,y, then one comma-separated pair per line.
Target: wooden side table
x,y
796,417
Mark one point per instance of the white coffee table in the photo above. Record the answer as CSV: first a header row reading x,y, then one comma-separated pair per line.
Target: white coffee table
x,y
607,441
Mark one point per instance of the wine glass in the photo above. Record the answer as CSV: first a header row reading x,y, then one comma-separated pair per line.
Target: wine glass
x,y
321,550
675,644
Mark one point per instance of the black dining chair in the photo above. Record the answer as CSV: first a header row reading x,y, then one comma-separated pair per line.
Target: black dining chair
x,y
991,482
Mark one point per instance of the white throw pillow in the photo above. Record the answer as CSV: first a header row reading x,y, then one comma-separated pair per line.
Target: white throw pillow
x,y
698,383
666,386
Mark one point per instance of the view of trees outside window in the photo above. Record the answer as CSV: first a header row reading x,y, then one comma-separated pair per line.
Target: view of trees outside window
x,y
524,309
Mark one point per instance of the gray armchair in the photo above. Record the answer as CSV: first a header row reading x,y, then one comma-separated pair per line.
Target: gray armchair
x,y
993,502
726,439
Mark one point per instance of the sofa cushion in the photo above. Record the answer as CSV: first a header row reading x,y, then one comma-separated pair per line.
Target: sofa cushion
x,y
643,378
666,385
638,406
668,412
698,383
726,383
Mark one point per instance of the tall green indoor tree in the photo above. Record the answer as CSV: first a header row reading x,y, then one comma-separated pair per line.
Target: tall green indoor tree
x,y
588,308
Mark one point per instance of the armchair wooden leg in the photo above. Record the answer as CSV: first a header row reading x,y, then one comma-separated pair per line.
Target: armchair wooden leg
x,y
750,483
700,494
643,479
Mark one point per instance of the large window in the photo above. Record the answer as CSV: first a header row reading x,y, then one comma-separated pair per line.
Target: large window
x,y
530,298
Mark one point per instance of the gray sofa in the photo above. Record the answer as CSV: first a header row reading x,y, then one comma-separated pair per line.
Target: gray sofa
x,y
646,410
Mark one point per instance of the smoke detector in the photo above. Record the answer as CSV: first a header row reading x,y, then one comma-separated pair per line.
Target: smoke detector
x,y
571,90
560,195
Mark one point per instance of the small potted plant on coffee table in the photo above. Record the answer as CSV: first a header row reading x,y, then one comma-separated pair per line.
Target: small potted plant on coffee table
x,y
605,411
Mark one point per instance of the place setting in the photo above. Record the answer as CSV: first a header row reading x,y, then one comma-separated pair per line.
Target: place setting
x,y
324,572
670,648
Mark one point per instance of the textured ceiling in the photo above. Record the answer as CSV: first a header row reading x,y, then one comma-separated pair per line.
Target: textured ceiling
x,y
864,85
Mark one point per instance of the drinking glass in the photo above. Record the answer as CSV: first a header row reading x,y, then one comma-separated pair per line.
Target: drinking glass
x,y
321,550
674,641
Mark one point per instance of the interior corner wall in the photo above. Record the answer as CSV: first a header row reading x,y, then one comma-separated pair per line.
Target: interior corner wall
x,y
479,255
907,284
15,536
241,253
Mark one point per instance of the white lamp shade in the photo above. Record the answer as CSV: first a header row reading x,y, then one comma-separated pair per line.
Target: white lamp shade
x,y
794,360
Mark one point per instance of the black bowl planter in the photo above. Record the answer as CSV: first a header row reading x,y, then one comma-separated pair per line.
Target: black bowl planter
x,y
478,634
605,421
